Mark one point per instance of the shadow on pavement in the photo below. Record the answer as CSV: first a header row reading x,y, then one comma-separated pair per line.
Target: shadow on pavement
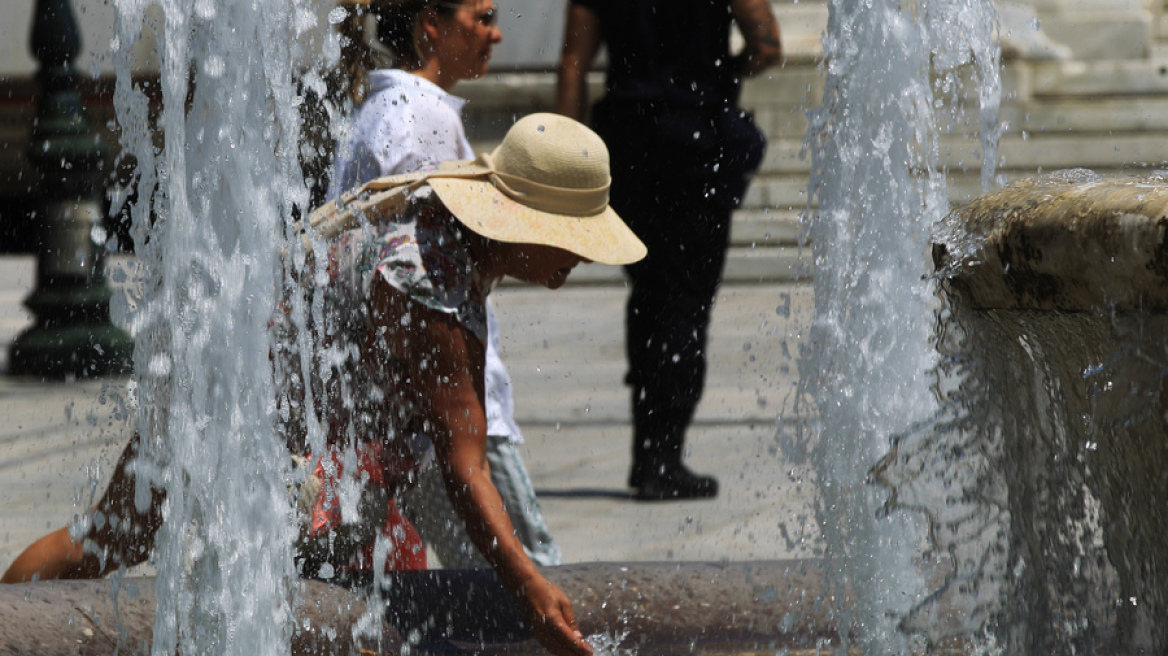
x,y
585,493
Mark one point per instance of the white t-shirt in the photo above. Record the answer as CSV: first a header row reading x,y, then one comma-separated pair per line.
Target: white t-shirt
x,y
407,123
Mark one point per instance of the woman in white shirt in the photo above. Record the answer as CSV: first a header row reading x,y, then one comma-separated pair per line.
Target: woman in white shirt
x,y
405,119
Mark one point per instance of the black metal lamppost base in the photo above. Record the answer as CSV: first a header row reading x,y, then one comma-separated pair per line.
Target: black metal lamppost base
x,y
72,335
81,351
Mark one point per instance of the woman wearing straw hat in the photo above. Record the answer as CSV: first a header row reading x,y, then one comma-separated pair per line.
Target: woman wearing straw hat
x,y
403,266
406,119
409,268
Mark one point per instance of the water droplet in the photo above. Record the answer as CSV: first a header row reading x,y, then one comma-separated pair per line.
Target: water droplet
x,y
784,310
160,365
214,66
205,9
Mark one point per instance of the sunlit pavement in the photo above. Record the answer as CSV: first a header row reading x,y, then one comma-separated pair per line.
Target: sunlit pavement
x,y
565,353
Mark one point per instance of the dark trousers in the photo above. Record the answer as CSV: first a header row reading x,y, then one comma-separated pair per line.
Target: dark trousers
x,y
677,177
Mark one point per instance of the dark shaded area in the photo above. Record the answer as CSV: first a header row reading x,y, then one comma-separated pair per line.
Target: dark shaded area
x,y
20,224
585,493
18,230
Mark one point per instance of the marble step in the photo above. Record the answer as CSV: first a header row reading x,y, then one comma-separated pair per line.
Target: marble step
x,y
744,265
1025,151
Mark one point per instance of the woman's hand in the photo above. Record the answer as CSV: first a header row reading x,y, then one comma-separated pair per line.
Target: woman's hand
x,y
549,613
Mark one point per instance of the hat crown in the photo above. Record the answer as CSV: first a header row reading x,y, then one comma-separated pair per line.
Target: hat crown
x,y
555,151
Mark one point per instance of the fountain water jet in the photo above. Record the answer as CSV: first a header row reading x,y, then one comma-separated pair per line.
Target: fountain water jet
x,y
880,192
214,203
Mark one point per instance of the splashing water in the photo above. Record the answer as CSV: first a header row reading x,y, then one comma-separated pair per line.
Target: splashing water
x,y
890,66
609,644
214,203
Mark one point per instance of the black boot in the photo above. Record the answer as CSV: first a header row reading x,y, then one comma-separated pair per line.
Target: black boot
x,y
657,473
672,482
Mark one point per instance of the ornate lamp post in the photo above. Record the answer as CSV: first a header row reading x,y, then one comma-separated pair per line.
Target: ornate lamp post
x,y
73,334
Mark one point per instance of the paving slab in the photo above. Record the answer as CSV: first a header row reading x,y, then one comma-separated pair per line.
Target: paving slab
x,y
762,513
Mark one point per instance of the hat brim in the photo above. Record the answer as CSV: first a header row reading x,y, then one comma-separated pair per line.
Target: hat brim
x,y
478,205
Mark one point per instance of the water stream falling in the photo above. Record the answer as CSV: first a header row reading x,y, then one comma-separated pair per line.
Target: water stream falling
x,y
892,71
215,196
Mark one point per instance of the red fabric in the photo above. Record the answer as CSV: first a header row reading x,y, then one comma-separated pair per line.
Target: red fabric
x,y
377,465
407,552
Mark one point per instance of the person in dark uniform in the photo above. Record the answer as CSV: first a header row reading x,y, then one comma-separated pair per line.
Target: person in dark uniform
x,y
683,154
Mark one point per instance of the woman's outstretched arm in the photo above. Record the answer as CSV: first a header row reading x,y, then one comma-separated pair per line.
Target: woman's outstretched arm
x,y
446,362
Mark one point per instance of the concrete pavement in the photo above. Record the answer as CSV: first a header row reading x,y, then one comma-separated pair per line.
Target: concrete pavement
x,y
564,350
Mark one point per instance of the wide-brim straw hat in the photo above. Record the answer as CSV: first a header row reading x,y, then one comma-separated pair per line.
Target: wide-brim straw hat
x,y
547,183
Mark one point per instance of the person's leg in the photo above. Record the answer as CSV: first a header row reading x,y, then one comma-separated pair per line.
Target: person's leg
x,y
117,535
665,185
667,317
667,322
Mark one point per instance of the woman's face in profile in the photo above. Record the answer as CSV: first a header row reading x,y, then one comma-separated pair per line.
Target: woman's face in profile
x,y
540,265
467,36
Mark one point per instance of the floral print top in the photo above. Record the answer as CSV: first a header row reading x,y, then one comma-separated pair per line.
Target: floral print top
x,y
418,251
364,394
